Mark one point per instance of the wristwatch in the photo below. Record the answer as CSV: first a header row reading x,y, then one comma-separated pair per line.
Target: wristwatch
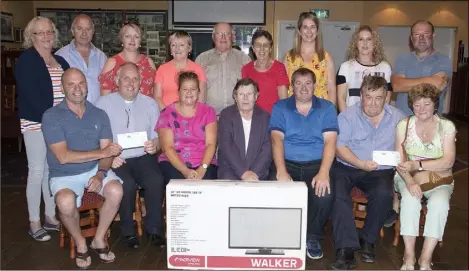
x,y
420,165
103,171
205,166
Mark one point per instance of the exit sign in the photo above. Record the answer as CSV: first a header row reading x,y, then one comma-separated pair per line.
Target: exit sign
x,y
321,13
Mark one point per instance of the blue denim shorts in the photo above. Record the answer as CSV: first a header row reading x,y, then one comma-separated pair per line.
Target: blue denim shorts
x,y
77,183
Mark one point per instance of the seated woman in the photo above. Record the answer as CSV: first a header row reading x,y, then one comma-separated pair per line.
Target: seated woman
x,y
429,143
244,151
187,131
130,35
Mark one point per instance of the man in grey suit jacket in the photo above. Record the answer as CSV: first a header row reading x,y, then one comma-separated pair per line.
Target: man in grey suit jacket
x,y
244,145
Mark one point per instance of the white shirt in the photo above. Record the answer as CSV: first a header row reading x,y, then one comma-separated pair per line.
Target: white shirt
x,y
247,131
352,73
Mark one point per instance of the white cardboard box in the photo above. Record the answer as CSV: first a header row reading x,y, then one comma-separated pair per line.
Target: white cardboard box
x,y
236,225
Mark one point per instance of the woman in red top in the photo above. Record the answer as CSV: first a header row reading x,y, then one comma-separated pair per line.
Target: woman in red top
x,y
268,73
130,36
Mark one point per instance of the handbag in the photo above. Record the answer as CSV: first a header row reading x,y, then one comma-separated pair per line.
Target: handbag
x,y
435,179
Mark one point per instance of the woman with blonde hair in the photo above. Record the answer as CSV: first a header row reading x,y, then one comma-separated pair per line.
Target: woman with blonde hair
x,y
427,147
308,52
38,75
166,87
130,35
365,56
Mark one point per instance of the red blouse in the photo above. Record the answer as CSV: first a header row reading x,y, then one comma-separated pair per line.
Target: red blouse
x,y
147,73
268,82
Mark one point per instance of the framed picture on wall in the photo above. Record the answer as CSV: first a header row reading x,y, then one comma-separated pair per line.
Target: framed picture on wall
x,y
18,35
7,27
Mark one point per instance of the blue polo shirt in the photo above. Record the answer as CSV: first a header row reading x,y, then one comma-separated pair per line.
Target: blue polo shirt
x,y
303,135
411,66
59,124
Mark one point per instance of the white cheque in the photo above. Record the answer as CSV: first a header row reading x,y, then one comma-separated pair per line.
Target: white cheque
x,y
132,140
387,158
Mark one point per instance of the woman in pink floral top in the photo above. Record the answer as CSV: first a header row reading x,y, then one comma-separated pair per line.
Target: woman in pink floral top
x,y
187,131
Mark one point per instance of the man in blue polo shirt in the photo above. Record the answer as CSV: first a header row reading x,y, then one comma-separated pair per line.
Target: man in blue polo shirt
x,y
80,152
364,127
304,134
423,65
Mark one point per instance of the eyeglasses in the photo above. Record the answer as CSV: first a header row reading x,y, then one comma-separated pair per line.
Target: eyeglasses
x,y
43,34
259,46
222,34
131,23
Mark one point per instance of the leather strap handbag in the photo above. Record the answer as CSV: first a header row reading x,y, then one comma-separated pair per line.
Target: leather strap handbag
x,y
435,179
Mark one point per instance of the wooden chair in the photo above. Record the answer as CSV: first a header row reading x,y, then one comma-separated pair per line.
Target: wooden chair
x,y
137,215
89,217
359,208
423,215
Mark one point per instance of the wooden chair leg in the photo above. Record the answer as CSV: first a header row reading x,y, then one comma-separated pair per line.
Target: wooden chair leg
x,y
138,214
92,218
72,248
381,233
397,227
62,236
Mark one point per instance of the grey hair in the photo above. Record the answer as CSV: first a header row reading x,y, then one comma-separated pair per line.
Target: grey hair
x,y
80,16
245,82
215,26
128,63
28,32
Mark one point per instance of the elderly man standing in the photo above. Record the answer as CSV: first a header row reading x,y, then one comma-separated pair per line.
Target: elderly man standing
x,y
83,55
222,66
364,127
130,111
80,152
304,134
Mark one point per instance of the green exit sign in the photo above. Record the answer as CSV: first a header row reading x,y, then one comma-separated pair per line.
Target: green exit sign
x,y
321,13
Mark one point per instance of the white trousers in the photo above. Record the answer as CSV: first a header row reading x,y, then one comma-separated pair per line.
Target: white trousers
x,y
38,176
437,210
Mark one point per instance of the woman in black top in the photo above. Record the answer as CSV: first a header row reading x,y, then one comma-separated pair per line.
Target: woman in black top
x,y
38,73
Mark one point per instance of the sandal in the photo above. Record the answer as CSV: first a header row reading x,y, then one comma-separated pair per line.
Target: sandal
x,y
408,265
84,257
51,227
101,251
40,235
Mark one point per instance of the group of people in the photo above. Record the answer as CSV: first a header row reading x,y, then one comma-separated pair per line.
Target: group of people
x,y
228,117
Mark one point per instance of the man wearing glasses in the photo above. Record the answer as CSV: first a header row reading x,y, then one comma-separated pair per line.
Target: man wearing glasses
x,y
222,66
130,111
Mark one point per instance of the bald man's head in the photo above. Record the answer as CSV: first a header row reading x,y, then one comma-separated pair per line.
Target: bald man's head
x,y
128,80
74,86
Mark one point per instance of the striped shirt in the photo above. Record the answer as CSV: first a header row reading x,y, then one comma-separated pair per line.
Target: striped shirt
x,y
55,75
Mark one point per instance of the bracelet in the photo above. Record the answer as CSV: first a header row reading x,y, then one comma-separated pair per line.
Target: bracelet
x,y
103,171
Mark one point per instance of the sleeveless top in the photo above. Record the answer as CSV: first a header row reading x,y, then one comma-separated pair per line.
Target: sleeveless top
x,y
416,149
319,69
55,76
147,73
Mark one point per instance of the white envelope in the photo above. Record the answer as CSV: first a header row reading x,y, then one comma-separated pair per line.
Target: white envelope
x,y
132,140
387,158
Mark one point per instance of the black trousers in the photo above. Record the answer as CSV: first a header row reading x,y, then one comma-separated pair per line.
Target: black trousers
x,y
145,172
378,186
319,208
170,172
